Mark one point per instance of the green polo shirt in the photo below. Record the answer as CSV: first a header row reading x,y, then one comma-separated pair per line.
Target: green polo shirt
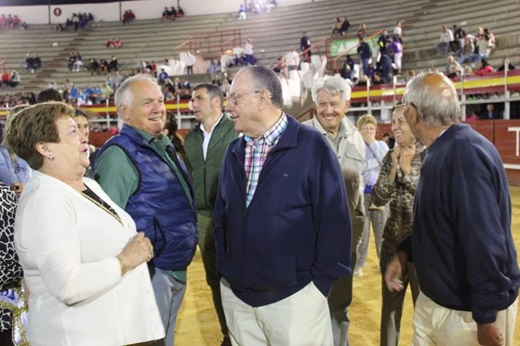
x,y
119,176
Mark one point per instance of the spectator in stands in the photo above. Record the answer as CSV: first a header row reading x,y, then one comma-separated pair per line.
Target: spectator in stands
x,y
180,11
113,64
83,21
349,61
384,56
345,72
93,66
128,17
212,68
292,59
189,60
362,31
458,35
141,66
398,31
106,92
345,25
225,87
305,45
485,68
109,43
443,45
336,27
378,79
506,64
365,54
450,64
395,48
72,59
117,43
248,52
166,14
52,85
215,81
103,66
490,37
6,79
78,62
491,112
242,12
37,62
14,79
467,50
173,12
29,63
90,18
162,77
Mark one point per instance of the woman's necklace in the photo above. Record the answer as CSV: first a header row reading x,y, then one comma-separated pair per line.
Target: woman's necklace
x,y
91,196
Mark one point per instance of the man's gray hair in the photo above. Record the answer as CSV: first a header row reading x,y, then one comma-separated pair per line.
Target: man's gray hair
x,y
434,108
263,78
333,85
123,95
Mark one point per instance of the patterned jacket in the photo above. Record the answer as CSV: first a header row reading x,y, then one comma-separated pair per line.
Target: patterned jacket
x,y
10,269
400,194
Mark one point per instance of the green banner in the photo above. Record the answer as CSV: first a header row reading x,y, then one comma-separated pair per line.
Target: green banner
x,y
340,47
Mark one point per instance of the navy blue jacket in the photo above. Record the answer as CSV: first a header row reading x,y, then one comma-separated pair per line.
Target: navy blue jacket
x,y
297,227
461,241
160,206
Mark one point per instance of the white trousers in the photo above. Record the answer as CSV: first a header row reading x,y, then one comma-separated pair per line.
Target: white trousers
x,y
437,325
301,319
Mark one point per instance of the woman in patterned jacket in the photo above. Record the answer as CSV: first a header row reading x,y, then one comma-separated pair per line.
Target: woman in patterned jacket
x,y
11,272
396,184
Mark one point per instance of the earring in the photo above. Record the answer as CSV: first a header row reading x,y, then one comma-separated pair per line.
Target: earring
x,y
50,157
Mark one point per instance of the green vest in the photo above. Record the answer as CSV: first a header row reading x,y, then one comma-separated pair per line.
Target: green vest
x,y
205,174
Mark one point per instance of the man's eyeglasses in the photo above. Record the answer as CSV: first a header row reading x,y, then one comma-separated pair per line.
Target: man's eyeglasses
x,y
235,96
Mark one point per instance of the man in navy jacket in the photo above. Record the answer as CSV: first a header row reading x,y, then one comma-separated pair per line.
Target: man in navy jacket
x,y
282,222
461,242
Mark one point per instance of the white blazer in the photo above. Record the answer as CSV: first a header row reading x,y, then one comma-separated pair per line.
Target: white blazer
x,y
67,247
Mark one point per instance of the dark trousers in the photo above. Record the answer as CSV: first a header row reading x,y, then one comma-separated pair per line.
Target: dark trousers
x,y
6,338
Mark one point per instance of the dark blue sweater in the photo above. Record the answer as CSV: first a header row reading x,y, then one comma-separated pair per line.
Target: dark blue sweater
x,y
462,243
297,227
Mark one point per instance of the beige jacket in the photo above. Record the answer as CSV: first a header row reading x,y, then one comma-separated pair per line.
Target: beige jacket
x,y
350,150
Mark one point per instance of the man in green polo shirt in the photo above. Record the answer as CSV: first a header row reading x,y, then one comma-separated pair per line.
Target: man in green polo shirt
x,y
140,171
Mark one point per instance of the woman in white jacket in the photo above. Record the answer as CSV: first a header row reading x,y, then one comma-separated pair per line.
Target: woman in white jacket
x,y
84,263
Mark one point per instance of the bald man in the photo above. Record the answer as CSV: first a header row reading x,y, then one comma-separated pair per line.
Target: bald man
x,y
461,241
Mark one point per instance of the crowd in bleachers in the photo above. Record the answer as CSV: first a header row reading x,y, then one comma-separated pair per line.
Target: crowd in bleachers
x,y
12,22
172,13
76,21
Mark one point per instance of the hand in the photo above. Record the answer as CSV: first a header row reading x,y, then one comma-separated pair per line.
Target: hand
x,y
490,335
18,188
138,250
368,137
395,155
393,274
406,158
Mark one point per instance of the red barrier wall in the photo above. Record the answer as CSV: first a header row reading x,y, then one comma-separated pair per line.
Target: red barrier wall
x,y
504,134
